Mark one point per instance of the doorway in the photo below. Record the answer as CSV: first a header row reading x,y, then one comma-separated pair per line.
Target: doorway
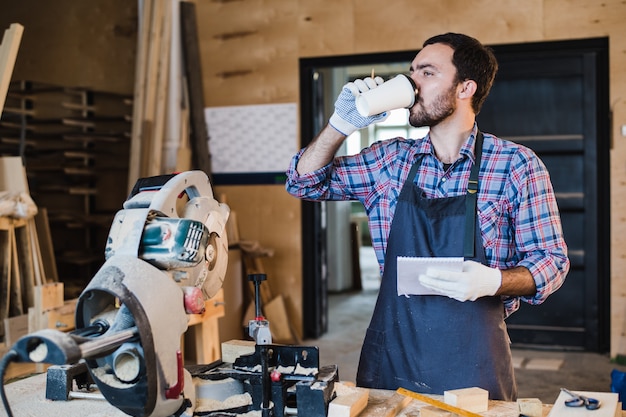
x,y
549,96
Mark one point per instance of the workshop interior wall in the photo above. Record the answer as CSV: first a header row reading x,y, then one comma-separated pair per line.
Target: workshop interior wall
x,y
250,51
75,43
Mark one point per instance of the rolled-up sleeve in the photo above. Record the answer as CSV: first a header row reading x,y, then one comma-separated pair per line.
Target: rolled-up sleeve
x,y
539,239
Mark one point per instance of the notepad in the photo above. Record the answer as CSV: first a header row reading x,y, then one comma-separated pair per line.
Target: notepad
x,y
410,268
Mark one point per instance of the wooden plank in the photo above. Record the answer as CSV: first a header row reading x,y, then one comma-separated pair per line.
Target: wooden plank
x,y
184,153
36,251
162,78
24,255
276,314
16,306
61,318
46,247
174,137
5,276
15,328
201,157
350,401
8,54
143,42
49,296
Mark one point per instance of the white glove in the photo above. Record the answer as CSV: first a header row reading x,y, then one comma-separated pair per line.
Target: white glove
x,y
475,281
346,119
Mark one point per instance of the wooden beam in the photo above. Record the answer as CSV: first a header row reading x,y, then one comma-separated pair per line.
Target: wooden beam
x,y
143,42
201,158
8,54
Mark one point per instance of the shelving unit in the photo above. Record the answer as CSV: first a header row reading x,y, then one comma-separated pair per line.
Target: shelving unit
x,y
75,144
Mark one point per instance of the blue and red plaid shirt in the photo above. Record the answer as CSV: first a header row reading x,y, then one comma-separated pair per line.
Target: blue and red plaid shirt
x,y
519,217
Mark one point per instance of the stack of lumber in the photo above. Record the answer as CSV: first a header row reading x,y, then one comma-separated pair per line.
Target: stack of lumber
x,y
74,142
168,127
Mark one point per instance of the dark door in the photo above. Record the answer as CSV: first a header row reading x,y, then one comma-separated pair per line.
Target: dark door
x,y
553,98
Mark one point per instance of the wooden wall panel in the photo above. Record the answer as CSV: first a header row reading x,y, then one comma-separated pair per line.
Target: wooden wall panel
x,y
249,51
571,19
307,28
405,24
324,29
270,216
76,42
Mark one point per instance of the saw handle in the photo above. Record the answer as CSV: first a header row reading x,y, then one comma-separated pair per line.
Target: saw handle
x,y
150,184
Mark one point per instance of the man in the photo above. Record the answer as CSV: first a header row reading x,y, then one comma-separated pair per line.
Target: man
x,y
420,200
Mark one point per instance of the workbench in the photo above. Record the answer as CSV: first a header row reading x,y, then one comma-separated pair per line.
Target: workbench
x,y
27,398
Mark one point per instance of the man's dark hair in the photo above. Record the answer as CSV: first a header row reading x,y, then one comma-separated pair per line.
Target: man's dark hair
x,y
473,61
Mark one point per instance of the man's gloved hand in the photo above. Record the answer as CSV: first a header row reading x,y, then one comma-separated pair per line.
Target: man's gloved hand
x,y
475,281
346,119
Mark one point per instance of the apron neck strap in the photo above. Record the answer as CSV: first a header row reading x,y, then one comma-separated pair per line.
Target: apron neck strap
x,y
471,199
469,249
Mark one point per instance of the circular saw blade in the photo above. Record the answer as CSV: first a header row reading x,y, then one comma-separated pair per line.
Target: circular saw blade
x,y
217,262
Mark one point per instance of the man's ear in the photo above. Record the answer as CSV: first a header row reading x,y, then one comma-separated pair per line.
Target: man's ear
x,y
467,89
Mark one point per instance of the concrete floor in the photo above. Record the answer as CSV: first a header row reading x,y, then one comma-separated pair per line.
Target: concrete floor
x,y
539,373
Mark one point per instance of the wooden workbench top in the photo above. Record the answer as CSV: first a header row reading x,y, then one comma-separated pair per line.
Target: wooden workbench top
x,y
27,398
382,402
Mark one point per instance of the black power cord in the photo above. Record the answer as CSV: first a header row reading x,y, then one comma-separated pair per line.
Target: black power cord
x,y
9,357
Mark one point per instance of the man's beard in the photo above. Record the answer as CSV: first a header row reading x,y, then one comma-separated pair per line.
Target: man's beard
x,y
443,107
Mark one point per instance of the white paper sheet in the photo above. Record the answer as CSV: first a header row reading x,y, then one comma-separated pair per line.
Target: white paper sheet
x,y
608,405
410,268
255,138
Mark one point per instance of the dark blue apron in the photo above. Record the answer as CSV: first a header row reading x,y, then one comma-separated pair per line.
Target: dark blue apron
x,y
431,343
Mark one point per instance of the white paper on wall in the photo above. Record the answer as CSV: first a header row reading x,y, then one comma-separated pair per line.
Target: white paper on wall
x,y
249,139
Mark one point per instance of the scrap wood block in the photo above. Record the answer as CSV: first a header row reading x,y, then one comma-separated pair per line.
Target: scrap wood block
x,y
15,328
530,407
472,399
233,349
62,317
276,314
350,401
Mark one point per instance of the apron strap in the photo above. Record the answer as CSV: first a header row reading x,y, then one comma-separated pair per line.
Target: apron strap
x,y
471,199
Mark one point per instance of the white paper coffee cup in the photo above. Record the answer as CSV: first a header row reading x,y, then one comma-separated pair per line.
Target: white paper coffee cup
x,y
397,93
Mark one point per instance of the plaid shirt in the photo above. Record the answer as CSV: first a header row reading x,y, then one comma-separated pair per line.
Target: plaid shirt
x,y
519,217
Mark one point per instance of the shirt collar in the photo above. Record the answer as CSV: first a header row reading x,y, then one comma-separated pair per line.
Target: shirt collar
x,y
425,146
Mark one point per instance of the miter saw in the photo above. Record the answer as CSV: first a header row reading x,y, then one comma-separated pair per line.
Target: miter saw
x,y
166,254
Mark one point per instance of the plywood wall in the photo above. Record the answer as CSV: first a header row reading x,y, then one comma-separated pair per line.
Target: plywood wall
x,y
75,43
250,51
